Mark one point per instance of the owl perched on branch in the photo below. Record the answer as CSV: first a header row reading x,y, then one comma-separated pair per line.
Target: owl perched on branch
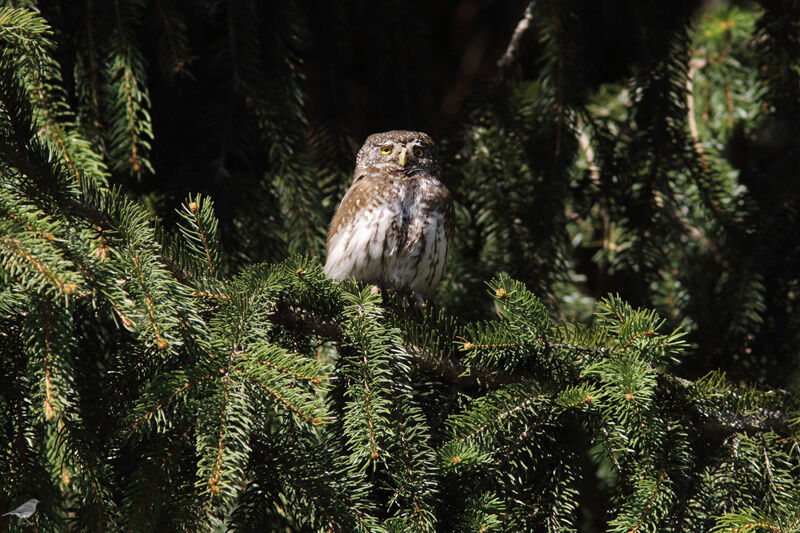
x,y
393,224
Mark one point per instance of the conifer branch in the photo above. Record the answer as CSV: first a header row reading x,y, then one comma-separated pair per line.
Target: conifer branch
x,y
298,320
721,425
179,390
370,426
401,432
93,76
176,41
557,30
202,231
160,342
498,418
154,480
314,380
213,481
510,54
98,287
126,83
210,295
281,399
298,481
49,237
636,336
649,504
48,354
717,425
93,478
690,116
455,372
16,247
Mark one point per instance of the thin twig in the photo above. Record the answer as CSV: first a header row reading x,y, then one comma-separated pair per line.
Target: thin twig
x,y
512,50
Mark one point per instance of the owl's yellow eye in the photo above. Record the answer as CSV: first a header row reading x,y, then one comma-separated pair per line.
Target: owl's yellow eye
x,y
386,150
418,152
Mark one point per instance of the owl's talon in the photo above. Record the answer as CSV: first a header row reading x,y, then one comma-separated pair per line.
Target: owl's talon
x,y
419,299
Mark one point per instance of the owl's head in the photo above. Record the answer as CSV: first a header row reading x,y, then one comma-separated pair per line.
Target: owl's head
x,y
399,150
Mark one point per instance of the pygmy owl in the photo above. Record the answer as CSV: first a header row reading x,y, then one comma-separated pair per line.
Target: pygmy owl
x,y
392,226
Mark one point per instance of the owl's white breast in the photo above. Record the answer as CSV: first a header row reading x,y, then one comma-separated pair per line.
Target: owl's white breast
x,y
398,240
360,249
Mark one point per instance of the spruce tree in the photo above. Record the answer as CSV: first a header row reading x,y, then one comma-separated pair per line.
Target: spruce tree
x,y
614,347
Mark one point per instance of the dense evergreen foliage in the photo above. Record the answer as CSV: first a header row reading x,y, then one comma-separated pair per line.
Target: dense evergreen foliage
x,y
614,347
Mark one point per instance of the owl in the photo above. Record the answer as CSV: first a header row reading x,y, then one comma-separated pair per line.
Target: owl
x,y
393,224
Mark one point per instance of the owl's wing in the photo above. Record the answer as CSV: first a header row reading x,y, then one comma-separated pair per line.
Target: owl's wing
x,y
438,226
445,204
360,235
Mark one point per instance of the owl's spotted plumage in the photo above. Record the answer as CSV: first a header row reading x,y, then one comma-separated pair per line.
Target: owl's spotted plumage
x,y
392,226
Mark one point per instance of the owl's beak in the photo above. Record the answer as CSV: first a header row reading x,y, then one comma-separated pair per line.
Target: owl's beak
x,y
402,157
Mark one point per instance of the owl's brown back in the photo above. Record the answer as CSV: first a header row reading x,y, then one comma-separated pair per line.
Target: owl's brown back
x,y
394,221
